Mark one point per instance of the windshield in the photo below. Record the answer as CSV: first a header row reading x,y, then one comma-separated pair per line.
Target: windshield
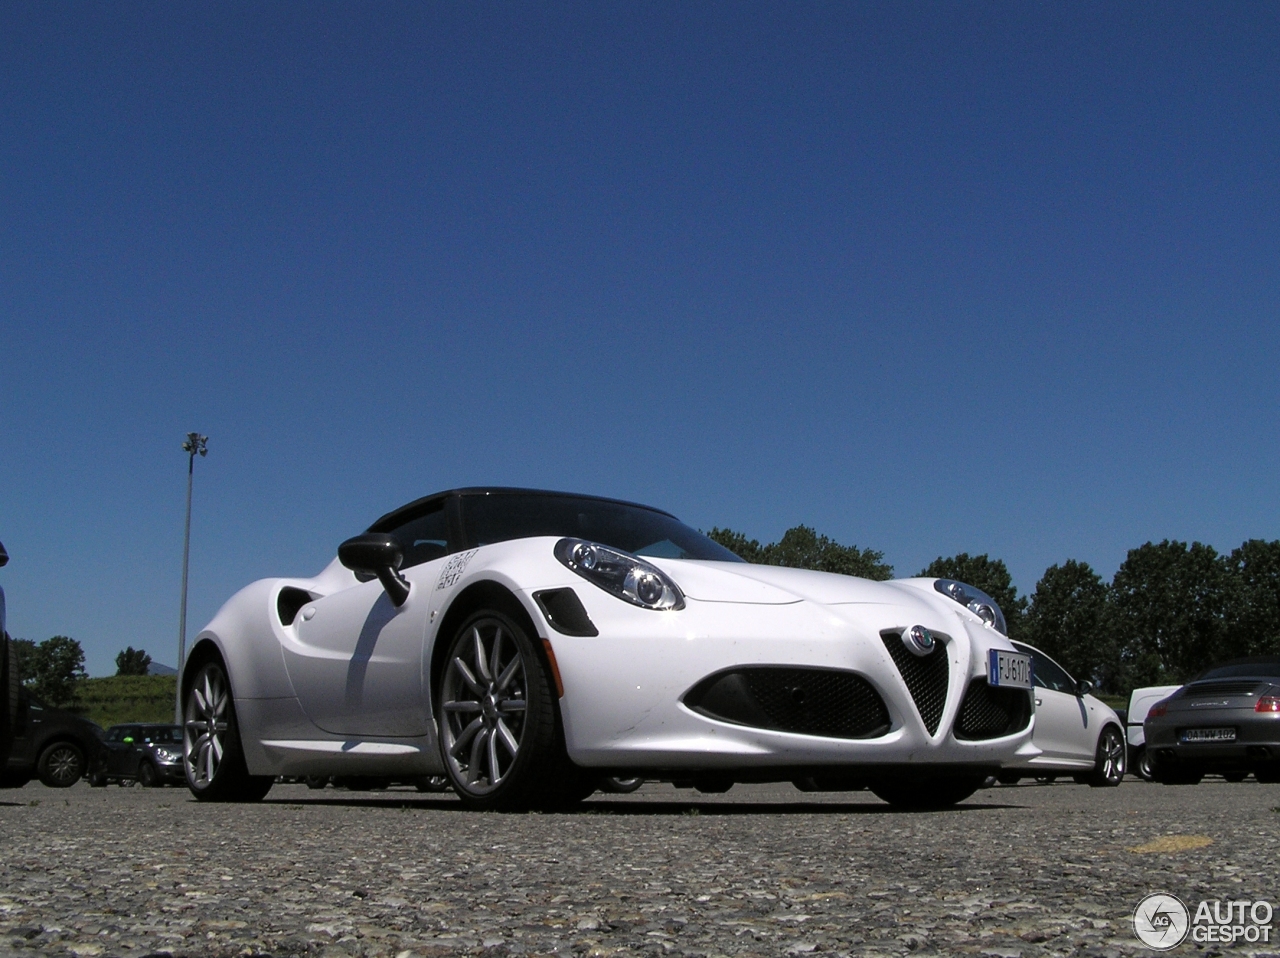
x,y
1263,668
498,517
165,735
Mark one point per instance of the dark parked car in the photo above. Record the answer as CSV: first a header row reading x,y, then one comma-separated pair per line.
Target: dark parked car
x,y
50,743
146,753
9,679
1225,721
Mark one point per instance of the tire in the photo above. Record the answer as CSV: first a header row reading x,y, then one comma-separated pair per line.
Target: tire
x,y
432,783
1267,775
1142,765
212,755
61,765
620,785
1235,776
148,777
1008,777
500,734
316,782
1046,779
1109,760
96,780
929,795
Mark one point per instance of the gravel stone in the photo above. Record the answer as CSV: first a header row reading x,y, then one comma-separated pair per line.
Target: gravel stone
x,y
1015,872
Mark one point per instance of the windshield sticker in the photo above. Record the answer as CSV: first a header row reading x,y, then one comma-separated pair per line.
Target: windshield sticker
x,y
453,570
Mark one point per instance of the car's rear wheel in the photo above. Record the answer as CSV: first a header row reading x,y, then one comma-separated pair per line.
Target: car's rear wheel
x,y
432,783
621,785
499,729
1142,765
929,794
148,777
96,780
1109,760
211,752
60,765
316,782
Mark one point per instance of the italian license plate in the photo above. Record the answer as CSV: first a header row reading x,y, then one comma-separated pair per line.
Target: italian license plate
x,y
1209,735
1010,670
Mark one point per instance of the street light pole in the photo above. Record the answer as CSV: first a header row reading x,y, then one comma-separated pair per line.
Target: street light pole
x,y
194,445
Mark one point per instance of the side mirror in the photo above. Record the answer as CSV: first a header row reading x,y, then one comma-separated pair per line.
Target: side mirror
x,y
4,556
377,554
1084,688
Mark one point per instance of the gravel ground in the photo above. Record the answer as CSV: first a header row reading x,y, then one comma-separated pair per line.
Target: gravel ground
x,y
764,870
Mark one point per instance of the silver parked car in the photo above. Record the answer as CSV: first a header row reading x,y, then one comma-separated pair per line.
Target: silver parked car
x,y
1077,734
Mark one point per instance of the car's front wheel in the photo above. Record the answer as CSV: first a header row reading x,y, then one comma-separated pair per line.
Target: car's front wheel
x,y
60,765
929,794
211,752
499,731
1109,760
148,777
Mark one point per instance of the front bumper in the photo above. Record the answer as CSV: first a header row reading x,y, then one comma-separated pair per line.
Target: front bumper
x,y
639,717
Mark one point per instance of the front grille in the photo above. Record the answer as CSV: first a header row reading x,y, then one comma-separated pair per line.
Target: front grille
x,y
926,677
992,712
1203,690
824,702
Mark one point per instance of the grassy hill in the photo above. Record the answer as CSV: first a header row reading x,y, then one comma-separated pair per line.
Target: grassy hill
x,y
127,698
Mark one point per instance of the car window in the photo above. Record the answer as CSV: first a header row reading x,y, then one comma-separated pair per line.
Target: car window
x,y
115,733
1046,673
1243,670
501,517
424,538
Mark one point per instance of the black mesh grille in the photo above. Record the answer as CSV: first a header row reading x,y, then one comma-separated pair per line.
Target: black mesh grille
x,y
1210,689
990,712
822,702
926,677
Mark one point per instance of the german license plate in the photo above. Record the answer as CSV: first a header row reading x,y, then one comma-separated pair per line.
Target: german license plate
x,y
1009,669
1209,735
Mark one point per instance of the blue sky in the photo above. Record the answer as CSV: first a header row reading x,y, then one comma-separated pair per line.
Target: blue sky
x,y
928,277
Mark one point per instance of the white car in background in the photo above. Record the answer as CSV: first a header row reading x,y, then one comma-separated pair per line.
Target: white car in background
x,y
529,645
1076,733
1140,703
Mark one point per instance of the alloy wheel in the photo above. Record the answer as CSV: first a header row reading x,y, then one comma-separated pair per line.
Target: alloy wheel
x,y
206,725
484,699
63,765
1111,758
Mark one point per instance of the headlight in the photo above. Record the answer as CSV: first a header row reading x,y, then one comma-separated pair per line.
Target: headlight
x,y
976,601
626,576
168,755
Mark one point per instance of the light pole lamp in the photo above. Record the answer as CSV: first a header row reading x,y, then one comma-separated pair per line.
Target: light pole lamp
x,y
195,445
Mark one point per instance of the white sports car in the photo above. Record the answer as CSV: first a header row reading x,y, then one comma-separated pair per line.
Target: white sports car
x,y
529,644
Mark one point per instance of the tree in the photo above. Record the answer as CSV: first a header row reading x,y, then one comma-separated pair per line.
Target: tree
x,y
802,548
57,665
1068,620
133,662
1253,621
25,650
989,575
749,550
1169,611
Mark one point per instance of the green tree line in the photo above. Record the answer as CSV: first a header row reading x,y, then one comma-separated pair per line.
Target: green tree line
x,y
1170,611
